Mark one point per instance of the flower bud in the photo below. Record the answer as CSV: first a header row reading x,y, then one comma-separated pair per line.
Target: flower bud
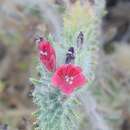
x,y
70,56
80,40
47,54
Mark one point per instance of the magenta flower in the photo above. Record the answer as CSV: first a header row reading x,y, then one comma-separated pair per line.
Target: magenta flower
x,y
47,55
68,77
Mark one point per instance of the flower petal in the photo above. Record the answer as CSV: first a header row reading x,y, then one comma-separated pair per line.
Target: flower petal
x,y
67,89
79,81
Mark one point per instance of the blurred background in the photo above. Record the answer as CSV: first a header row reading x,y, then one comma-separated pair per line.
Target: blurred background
x,y
21,21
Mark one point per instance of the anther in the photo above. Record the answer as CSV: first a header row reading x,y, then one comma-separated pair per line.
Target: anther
x,y
43,53
70,82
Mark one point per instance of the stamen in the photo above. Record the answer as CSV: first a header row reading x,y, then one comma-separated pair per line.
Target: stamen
x,y
67,80
66,76
71,78
43,53
70,82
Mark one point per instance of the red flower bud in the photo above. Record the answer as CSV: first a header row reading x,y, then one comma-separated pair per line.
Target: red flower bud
x,y
47,55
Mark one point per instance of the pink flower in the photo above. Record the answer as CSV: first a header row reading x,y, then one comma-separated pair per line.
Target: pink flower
x,y
68,77
47,55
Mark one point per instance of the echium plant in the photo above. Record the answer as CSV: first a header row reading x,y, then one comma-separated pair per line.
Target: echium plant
x,y
67,68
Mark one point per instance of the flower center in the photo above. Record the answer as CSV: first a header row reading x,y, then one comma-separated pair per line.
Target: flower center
x,y
44,53
69,79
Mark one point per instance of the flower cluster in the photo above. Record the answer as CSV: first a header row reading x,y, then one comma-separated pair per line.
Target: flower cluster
x,y
66,77
67,68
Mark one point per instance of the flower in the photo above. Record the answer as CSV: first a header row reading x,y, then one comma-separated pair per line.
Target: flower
x,y
47,55
68,77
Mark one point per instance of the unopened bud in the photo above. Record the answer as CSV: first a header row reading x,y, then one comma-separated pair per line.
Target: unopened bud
x,y
70,56
80,40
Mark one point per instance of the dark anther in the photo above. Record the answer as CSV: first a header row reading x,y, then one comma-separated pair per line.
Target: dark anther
x,y
38,39
70,56
80,40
